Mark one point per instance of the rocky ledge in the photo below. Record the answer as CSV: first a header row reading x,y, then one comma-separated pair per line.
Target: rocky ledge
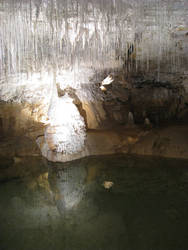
x,y
169,142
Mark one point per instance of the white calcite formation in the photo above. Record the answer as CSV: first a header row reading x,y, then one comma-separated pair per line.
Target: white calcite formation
x,y
75,45
63,34
66,130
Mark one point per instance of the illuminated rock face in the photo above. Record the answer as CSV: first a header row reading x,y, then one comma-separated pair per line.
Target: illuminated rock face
x,y
142,35
66,131
76,44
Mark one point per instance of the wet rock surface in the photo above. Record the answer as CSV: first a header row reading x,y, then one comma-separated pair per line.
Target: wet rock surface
x,y
129,106
168,142
70,48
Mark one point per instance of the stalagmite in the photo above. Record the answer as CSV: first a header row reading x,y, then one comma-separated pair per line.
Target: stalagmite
x,y
130,119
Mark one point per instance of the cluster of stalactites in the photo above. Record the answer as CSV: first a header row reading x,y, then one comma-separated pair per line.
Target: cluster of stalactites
x,y
60,34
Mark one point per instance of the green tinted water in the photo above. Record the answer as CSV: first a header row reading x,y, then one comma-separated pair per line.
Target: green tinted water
x,y
66,206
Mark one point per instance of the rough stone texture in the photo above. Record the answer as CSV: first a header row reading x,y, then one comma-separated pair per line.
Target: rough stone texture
x,y
74,45
97,143
169,142
21,119
142,34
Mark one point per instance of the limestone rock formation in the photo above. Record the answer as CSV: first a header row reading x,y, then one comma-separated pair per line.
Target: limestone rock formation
x,y
67,50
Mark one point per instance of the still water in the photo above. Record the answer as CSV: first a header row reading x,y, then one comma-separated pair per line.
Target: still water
x,y
47,206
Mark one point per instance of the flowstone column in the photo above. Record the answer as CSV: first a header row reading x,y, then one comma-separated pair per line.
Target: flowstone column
x,y
65,134
66,131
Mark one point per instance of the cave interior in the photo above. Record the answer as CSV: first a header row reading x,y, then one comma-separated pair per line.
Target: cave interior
x,y
81,79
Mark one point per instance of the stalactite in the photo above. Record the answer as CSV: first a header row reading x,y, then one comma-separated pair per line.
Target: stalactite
x,y
39,35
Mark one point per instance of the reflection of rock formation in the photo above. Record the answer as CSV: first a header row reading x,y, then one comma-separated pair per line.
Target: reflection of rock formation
x,y
68,187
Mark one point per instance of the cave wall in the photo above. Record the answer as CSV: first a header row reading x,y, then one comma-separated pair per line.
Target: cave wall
x,y
98,34
74,44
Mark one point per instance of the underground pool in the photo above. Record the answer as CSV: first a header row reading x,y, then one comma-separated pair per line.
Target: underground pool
x,y
96,203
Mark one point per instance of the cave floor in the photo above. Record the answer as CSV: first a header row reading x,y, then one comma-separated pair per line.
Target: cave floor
x,y
111,202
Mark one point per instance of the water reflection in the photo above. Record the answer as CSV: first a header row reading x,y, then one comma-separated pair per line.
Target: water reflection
x,y
68,187
66,206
